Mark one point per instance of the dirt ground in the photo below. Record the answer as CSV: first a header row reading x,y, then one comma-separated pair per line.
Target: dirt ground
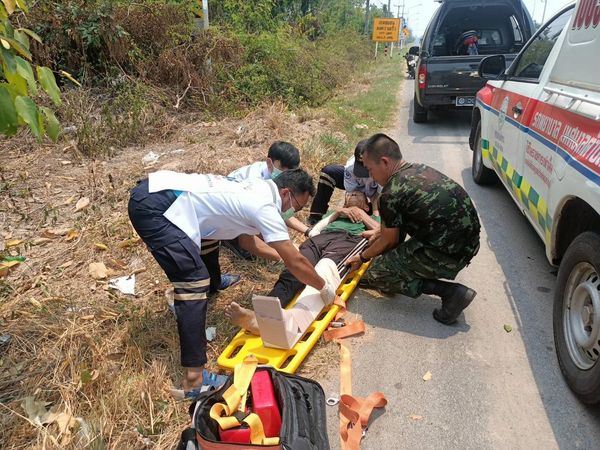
x,y
86,365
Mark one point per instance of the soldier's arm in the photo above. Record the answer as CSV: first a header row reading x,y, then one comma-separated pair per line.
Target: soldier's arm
x,y
387,240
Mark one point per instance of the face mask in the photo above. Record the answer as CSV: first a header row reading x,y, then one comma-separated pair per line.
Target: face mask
x,y
288,213
275,173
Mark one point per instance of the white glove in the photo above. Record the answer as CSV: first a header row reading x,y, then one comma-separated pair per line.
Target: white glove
x,y
328,293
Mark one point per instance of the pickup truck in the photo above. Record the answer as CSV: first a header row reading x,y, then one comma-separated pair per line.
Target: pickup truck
x,y
447,69
536,127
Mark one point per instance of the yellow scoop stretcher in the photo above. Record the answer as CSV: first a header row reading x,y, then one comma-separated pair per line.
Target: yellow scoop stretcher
x,y
288,361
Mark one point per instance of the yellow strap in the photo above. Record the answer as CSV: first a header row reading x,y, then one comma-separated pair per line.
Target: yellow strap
x,y
235,396
235,400
257,431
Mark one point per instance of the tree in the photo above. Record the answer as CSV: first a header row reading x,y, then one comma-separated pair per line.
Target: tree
x,y
18,80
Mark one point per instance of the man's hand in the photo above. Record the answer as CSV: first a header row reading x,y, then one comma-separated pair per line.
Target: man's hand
x,y
353,213
371,235
354,262
328,293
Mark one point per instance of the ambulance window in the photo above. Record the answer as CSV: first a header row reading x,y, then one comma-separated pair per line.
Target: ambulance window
x,y
535,55
518,36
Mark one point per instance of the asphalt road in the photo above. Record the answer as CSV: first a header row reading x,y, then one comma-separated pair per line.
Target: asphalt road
x,y
489,388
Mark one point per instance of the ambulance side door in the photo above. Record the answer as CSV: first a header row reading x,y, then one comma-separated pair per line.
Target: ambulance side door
x,y
540,123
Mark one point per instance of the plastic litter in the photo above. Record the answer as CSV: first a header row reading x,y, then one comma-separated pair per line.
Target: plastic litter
x,y
125,285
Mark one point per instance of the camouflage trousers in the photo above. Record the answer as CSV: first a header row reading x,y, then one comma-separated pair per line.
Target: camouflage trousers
x,y
403,269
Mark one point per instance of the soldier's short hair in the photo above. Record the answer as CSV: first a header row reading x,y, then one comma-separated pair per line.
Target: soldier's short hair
x,y
296,180
380,145
285,153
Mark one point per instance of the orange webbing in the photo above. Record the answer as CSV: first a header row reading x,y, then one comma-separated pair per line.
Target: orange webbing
x,y
354,411
350,329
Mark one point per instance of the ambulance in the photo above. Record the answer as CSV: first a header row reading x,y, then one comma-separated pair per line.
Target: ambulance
x,y
536,127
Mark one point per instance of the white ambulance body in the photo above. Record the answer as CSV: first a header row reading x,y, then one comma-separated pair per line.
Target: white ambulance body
x,y
536,126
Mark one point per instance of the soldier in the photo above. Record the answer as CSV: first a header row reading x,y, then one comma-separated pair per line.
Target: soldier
x,y
440,219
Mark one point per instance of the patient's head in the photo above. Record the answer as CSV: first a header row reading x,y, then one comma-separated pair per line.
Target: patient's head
x,y
358,199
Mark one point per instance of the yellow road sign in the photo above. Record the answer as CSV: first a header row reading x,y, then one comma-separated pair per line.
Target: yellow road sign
x,y
386,30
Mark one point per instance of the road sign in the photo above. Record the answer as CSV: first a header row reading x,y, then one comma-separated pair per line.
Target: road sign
x,y
386,30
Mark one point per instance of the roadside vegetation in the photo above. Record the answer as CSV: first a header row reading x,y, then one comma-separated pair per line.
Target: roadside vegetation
x,y
82,365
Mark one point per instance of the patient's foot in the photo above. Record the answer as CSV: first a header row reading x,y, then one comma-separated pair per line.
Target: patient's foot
x,y
242,317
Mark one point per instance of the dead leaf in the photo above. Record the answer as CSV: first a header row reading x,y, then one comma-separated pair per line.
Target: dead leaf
x,y
82,203
117,264
98,271
65,162
88,317
100,246
13,243
65,421
41,241
129,242
69,200
56,232
427,376
72,234
416,417
35,303
65,265
35,409
507,328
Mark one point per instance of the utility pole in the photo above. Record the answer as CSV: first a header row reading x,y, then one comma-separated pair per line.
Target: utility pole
x,y
367,11
544,13
389,10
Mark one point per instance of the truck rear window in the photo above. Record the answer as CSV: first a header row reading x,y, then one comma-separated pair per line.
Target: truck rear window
x,y
498,29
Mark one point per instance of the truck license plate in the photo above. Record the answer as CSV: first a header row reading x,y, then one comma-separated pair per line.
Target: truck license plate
x,y
465,101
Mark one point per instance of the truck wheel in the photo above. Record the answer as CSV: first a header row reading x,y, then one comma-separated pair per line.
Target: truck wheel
x,y
481,174
419,113
577,317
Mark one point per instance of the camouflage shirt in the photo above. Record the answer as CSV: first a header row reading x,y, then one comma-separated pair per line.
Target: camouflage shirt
x,y
431,208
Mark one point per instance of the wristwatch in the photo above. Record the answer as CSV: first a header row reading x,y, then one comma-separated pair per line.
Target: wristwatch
x,y
363,259
307,231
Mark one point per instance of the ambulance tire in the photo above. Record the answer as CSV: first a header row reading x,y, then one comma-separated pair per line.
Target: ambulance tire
x,y
419,113
579,267
481,174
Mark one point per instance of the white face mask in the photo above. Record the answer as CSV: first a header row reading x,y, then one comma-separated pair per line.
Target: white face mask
x,y
288,213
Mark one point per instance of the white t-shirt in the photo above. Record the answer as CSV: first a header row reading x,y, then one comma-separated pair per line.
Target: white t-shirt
x,y
258,169
217,207
353,183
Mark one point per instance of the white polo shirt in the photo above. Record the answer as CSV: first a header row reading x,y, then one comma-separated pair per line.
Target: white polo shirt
x,y
217,207
352,183
258,169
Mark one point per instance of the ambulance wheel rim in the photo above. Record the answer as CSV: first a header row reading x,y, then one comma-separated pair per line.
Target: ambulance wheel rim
x,y
581,318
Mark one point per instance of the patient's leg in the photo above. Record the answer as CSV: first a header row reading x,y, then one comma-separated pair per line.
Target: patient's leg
x,y
334,245
242,317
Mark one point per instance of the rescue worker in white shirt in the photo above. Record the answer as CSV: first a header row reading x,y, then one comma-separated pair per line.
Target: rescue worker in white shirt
x,y
282,156
181,218
353,176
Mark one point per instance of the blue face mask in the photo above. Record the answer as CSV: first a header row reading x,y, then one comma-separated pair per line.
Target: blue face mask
x,y
275,173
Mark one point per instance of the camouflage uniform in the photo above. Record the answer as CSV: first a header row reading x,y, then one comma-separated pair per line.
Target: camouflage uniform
x,y
441,221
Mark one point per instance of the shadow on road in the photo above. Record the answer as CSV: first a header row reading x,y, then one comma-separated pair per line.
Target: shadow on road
x,y
528,283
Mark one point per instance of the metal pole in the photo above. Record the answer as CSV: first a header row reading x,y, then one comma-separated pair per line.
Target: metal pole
x,y
205,13
544,13
376,47
367,10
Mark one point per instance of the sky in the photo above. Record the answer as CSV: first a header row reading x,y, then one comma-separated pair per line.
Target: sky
x,y
418,12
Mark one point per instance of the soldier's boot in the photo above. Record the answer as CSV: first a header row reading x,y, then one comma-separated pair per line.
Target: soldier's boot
x,y
455,298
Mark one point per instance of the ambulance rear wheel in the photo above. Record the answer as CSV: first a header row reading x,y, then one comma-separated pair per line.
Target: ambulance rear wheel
x,y
481,174
577,317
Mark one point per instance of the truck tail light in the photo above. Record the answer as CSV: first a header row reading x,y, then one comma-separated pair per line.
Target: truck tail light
x,y
422,76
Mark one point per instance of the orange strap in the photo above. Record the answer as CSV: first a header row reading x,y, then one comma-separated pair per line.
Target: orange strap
x,y
354,411
350,329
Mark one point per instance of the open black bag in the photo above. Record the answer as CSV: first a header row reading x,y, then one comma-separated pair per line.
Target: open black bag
x,y
303,416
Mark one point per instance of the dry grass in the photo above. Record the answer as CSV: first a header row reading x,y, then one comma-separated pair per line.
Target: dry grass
x,y
105,359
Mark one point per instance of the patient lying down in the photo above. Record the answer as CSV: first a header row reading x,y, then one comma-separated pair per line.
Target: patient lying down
x,y
333,237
